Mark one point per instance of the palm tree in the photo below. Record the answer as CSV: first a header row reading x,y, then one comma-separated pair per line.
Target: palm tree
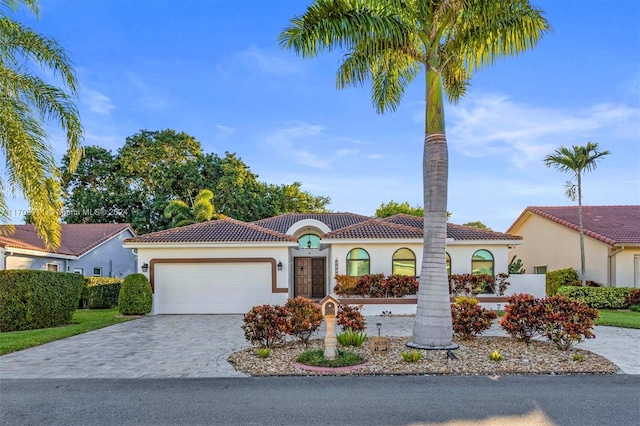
x,y
576,160
26,104
182,214
389,42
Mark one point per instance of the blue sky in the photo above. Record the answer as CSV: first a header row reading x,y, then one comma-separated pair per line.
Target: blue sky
x,y
214,69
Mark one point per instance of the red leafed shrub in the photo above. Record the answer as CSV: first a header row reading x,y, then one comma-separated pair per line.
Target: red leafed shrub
x,y
522,319
372,285
303,318
567,322
469,318
633,297
470,284
401,285
264,325
350,317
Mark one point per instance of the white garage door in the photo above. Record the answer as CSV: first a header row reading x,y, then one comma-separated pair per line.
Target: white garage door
x,y
210,288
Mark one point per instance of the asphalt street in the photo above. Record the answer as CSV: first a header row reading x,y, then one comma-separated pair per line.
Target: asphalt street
x,y
384,400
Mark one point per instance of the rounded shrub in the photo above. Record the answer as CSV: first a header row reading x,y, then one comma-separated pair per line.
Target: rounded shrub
x,y
135,296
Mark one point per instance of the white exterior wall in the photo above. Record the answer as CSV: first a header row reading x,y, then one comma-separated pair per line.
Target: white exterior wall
x,y
550,244
627,267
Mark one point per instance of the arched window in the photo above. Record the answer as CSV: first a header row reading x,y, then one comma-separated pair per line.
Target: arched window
x,y
482,263
404,262
448,260
357,262
309,241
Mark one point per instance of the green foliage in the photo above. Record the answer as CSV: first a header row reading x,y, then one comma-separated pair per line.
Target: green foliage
x,y
620,318
496,356
100,293
351,337
558,278
469,319
392,208
39,88
303,318
350,318
474,284
598,297
135,296
154,168
634,308
263,352
578,357
264,325
201,210
516,266
477,224
411,356
37,299
316,358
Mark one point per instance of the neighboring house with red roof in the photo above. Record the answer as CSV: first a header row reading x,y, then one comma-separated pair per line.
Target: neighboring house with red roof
x,y
87,249
229,266
552,241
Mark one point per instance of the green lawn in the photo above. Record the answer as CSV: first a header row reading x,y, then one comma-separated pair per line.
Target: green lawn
x,y
615,318
83,320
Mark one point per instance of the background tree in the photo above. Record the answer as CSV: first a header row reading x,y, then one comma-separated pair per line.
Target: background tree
x,y
201,210
155,167
27,102
392,208
477,224
389,42
576,160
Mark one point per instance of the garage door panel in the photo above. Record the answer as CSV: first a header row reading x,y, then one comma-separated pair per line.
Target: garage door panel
x,y
215,288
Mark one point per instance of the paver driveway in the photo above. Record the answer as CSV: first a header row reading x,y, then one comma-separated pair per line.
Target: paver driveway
x,y
152,346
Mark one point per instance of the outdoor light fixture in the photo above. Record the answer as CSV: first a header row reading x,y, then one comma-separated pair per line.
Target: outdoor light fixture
x,y
279,266
145,267
379,325
309,242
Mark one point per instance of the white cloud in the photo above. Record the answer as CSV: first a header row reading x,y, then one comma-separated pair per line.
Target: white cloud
x,y
97,102
147,95
494,125
224,132
308,145
265,60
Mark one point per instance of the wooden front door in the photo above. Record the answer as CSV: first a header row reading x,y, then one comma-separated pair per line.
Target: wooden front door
x,y
309,277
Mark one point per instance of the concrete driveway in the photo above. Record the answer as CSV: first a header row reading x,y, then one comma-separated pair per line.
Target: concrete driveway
x,y
174,346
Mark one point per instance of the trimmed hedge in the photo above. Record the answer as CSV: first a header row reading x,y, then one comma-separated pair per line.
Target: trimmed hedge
x,y
135,296
100,293
37,299
598,297
559,278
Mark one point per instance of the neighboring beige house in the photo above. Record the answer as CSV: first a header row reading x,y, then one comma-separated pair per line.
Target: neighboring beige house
x,y
552,241
86,249
229,266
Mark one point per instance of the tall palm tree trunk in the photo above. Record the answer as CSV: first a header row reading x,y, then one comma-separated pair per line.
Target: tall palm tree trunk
x,y
432,328
581,229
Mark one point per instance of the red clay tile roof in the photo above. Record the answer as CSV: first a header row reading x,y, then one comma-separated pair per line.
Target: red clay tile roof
x,y
334,221
214,231
613,225
375,229
457,232
75,239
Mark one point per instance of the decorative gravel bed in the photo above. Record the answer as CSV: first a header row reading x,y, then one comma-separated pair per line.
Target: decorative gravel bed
x,y
472,359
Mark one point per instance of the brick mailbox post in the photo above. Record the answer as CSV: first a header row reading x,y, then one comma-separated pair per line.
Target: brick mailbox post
x,y
329,306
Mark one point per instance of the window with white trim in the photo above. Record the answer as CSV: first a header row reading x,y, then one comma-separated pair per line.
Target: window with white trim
x,y
540,269
97,272
52,267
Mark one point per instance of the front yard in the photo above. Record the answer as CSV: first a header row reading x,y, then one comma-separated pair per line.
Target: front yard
x,y
619,318
83,320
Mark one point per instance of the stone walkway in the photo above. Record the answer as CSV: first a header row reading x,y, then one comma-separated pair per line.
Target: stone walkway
x,y
166,346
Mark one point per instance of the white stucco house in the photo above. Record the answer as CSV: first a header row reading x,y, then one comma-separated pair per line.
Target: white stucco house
x,y
86,249
611,242
229,266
